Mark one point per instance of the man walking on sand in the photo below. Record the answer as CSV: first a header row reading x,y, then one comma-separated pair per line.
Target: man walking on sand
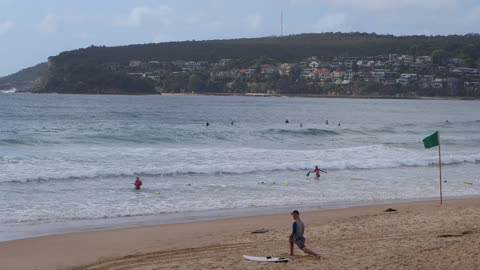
x,y
297,235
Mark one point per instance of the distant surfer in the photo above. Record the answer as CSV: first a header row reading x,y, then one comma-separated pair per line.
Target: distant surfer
x,y
326,122
339,124
207,124
301,125
232,123
138,183
286,121
297,235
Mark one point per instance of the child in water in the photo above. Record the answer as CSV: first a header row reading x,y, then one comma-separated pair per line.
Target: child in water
x,y
138,183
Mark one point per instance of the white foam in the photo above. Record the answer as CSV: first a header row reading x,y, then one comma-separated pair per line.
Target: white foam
x,y
112,162
8,91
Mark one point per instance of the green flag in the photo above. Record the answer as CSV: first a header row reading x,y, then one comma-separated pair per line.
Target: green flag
x,y
431,141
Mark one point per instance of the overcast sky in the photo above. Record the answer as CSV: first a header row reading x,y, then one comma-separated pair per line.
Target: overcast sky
x,y
32,30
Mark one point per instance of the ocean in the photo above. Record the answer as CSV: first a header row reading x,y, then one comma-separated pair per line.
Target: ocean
x,y
68,162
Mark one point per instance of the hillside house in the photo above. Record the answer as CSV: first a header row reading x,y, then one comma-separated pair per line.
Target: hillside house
x,y
285,69
224,62
324,74
247,71
267,69
406,79
136,63
314,65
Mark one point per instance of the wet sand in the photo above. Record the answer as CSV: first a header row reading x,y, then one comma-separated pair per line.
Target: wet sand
x,y
420,235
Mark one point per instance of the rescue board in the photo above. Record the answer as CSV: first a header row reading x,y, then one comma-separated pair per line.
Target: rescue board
x,y
265,259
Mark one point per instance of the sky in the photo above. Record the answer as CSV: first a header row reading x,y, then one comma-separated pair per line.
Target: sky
x,y
33,30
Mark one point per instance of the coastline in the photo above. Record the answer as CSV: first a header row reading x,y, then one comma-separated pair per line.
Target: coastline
x,y
31,230
232,235
319,96
269,95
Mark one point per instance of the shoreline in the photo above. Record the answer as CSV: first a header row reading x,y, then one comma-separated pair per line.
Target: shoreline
x,y
319,96
79,248
13,232
268,95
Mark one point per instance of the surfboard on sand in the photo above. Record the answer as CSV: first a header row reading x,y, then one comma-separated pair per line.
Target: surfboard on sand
x,y
265,259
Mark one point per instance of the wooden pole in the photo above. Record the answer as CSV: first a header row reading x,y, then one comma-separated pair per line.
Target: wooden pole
x,y
440,167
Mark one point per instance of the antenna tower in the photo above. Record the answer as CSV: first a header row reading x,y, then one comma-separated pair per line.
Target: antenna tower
x,y
281,24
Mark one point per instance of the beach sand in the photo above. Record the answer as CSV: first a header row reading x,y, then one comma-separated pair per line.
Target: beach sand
x,y
420,235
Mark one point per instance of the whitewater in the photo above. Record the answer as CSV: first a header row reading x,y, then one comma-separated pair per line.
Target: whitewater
x,y
67,162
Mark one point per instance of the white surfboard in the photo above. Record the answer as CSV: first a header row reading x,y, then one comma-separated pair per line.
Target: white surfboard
x,y
265,259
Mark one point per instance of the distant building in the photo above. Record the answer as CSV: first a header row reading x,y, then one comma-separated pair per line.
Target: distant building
x,y
424,59
337,75
178,63
349,75
406,79
427,81
136,63
378,75
267,69
456,61
136,74
247,71
224,62
285,69
308,73
228,74
407,58
314,64
324,74
438,83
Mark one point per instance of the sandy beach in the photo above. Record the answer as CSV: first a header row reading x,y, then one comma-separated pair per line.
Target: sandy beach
x,y
420,235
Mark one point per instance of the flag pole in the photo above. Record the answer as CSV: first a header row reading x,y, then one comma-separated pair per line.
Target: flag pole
x,y
440,167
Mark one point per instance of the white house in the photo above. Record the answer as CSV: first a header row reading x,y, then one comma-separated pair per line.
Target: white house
x,y
407,78
314,64
284,69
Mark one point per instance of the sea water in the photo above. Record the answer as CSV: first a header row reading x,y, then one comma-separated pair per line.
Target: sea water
x,y
68,162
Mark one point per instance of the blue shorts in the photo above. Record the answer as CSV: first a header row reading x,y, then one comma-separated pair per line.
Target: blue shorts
x,y
300,242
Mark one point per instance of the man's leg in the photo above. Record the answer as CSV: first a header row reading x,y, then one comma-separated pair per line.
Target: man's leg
x,y
291,245
308,251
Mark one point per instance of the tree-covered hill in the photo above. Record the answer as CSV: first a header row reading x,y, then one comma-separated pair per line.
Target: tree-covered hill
x,y
25,78
285,49
254,65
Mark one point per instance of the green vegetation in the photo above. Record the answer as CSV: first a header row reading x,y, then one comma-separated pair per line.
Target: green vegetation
x,y
140,69
282,49
92,79
25,78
